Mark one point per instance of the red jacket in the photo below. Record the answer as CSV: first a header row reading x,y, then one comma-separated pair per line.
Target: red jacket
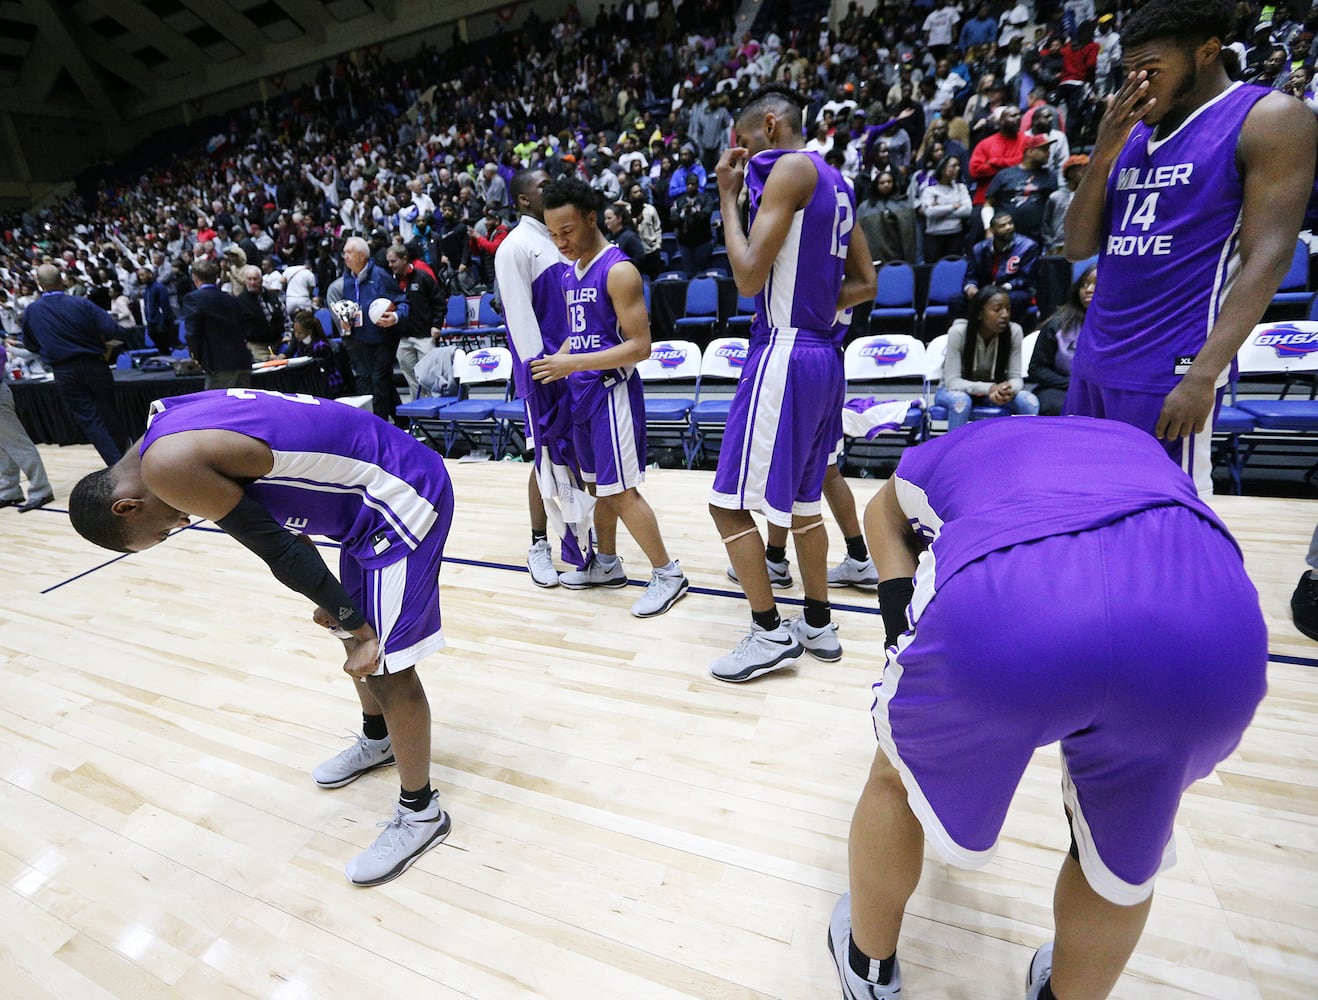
x,y
995,152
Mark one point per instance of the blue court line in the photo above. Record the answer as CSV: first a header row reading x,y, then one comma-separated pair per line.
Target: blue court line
x,y
1300,661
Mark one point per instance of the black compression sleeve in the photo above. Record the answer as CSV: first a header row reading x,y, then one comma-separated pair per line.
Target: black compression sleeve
x,y
298,567
894,598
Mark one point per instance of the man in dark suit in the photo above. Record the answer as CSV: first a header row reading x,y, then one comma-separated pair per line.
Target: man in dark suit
x,y
265,315
73,335
157,313
215,326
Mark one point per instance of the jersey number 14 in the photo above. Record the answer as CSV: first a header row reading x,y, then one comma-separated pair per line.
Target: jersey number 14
x,y
1145,216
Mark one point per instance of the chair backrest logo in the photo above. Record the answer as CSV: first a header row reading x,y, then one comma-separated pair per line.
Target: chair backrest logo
x,y
883,353
734,354
484,360
668,356
1288,341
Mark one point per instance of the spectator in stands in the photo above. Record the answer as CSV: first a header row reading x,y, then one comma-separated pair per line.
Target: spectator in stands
x,y
326,267
622,233
979,30
484,245
688,166
1022,191
1043,121
157,313
1054,213
492,189
710,127
307,340
17,452
214,325
426,307
264,310
945,206
998,151
1005,260
694,228
1050,365
982,366
454,242
75,338
299,288
370,343
888,220
1272,71
649,227
121,308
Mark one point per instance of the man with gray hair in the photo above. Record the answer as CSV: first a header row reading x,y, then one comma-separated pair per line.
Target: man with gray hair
x,y
372,343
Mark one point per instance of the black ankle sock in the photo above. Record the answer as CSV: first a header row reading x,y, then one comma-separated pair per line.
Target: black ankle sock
x,y
865,967
1047,992
416,801
817,613
775,553
539,536
856,548
767,620
374,727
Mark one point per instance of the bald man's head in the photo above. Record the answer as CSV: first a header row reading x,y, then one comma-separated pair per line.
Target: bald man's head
x,y
49,277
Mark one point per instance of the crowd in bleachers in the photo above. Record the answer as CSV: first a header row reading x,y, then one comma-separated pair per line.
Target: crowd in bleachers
x,y
943,115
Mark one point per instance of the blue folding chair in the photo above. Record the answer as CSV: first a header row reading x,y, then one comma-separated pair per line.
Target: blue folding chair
x,y
701,306
1294,288
668,375
720,369
895,296
739,323
946,281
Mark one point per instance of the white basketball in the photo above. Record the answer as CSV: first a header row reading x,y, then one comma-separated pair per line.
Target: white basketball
x,y
378,308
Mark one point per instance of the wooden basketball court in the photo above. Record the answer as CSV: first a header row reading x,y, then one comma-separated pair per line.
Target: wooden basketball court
x,y
624,826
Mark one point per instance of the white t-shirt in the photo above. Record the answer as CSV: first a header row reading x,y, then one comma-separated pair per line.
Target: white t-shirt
x,y
940,25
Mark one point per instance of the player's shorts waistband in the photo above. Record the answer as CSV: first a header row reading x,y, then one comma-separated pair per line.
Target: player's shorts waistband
x,y
788,335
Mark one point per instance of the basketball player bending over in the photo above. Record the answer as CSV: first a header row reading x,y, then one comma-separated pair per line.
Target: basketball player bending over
x,y
271,469
1148,666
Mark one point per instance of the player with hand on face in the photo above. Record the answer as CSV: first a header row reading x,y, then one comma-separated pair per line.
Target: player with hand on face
x,y
805,262
1193,200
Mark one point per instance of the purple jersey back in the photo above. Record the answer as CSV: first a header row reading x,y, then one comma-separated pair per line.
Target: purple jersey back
x,y
1171,248
339,472
805,281
970,494
592,323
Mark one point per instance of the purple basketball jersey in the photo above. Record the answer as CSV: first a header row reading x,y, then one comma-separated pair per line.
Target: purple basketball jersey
x,y
1096,471
1171,248
339,472
803,286
592,323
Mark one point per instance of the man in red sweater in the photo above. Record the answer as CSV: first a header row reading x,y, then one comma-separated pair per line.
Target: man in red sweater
x,y
996,152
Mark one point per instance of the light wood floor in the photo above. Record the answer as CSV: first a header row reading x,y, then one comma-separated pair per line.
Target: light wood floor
x,y
624,826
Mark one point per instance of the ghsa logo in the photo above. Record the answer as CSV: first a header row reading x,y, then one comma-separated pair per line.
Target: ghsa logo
x,y
1289,340
484,360
884,353
735,354
668,356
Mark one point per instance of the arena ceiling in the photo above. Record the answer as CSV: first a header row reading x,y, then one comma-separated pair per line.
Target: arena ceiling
x,y
113,61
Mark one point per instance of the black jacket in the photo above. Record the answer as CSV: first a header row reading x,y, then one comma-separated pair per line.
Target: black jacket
x,y
215,328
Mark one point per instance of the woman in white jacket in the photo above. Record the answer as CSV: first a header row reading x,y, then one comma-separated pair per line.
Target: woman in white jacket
x,y
945,206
